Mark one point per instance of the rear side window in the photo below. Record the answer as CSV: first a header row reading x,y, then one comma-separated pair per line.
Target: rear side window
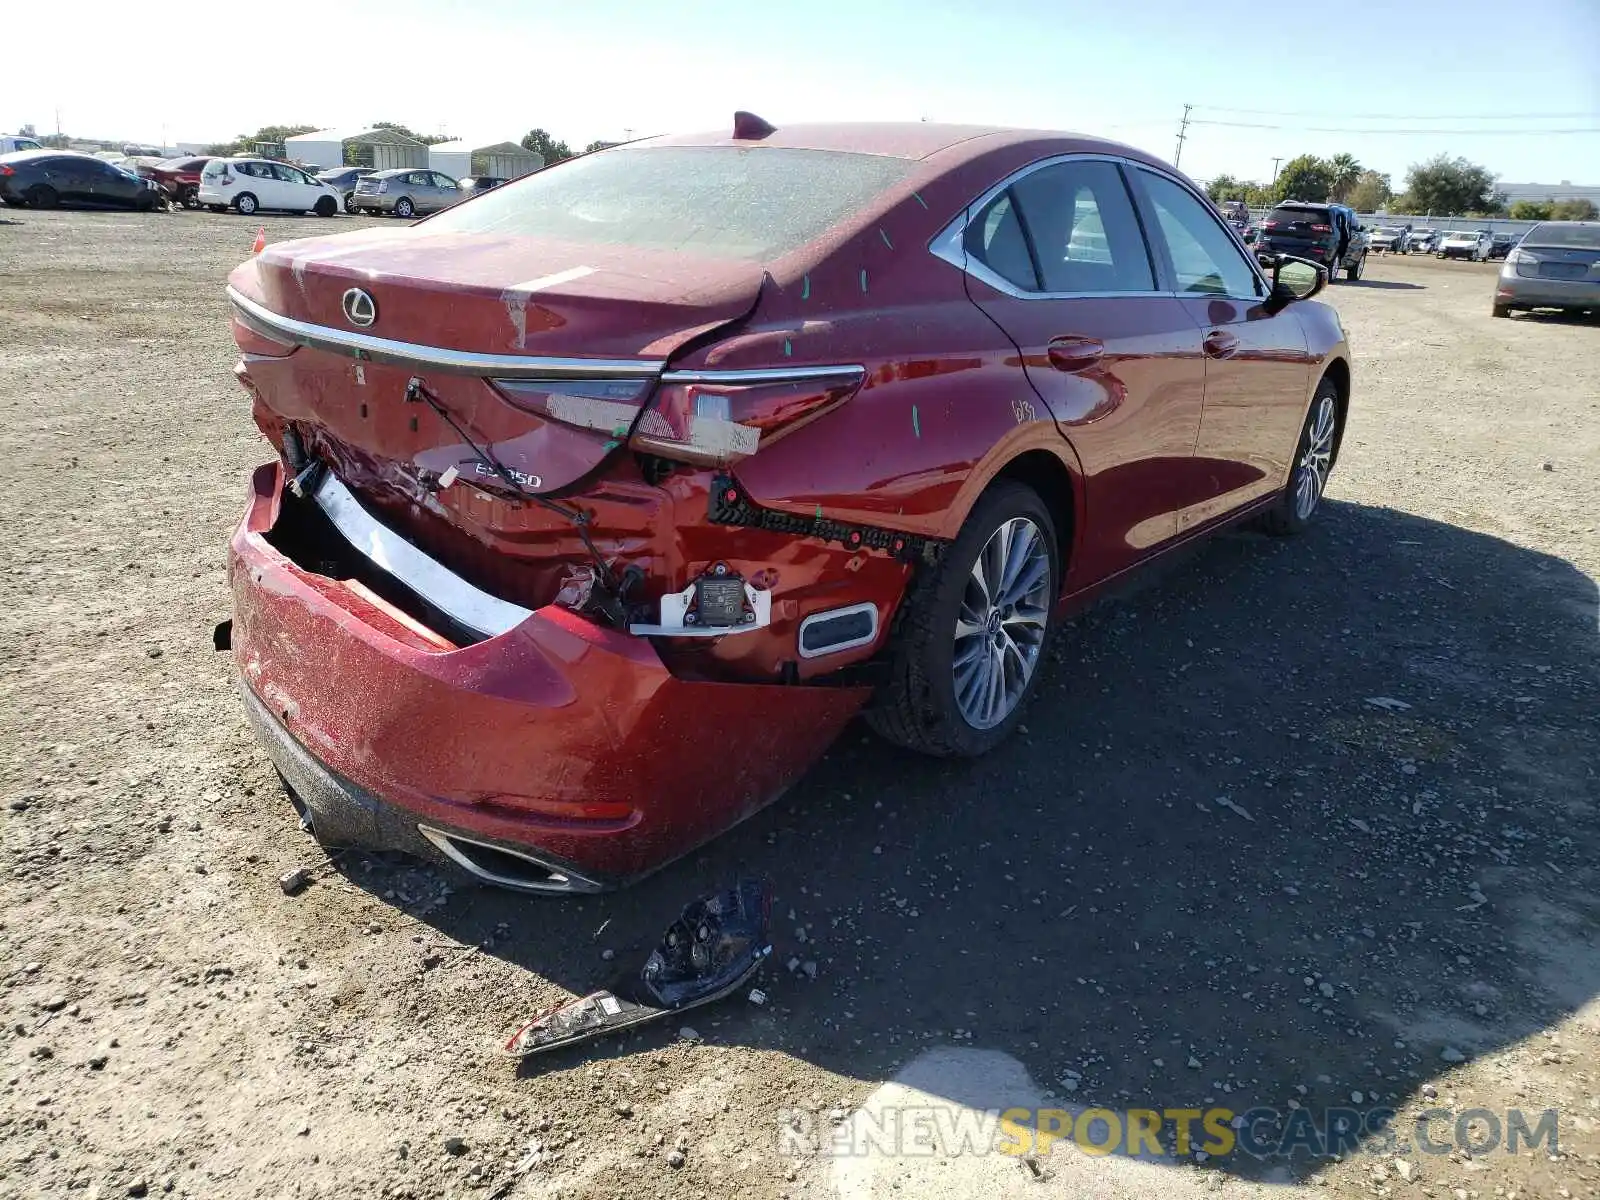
x,y
995,239
1085,235
734,202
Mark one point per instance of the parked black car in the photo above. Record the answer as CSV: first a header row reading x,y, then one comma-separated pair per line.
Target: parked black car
x,y
345,179
1502,245
481,183
1329,234
46,178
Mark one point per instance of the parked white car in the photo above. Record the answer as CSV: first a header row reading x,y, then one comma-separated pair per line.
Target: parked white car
x,y
1464,244
250,185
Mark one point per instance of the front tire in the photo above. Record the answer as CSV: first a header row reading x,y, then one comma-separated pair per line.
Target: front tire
x,y
1354,273
245,203
326,206
403,208
1301,499
971,634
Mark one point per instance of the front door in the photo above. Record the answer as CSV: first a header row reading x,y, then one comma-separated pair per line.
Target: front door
x,y
1057,259
1257,368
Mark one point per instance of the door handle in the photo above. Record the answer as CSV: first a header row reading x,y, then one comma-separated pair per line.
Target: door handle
x,y
1074,353
1219,343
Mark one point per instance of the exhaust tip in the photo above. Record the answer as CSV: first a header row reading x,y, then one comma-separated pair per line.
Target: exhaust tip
x,y
502,867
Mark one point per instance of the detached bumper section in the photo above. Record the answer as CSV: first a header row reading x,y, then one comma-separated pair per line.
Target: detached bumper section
x,y
551,755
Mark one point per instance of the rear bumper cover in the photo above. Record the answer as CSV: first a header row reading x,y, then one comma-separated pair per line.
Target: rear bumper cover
x,y
1547,293
511,740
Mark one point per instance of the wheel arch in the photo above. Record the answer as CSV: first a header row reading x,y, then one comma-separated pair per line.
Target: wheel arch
x,y
1051,471
1338,372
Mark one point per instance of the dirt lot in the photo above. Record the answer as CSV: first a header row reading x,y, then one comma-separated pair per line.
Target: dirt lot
x,y
1213,871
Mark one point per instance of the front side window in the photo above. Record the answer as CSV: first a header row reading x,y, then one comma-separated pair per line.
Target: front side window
x,y
1205,260
1082,225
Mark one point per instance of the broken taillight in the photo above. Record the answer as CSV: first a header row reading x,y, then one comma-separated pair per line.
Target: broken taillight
x,y
718,419
252,340
607,405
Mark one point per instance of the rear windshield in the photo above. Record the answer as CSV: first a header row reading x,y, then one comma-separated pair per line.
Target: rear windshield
x,y
1312,216
1581,237
719,201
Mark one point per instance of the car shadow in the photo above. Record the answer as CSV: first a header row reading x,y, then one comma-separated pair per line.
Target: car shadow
x,y
1558,317
1291,821
1388,285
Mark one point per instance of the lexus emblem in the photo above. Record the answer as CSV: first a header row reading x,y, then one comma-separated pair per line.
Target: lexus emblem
x,y
359,308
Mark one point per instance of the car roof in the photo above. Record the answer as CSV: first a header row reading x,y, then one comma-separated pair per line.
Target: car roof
x,y
398,171
898,139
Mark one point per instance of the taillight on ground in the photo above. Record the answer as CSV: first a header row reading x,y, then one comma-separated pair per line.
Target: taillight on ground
x,y
718,421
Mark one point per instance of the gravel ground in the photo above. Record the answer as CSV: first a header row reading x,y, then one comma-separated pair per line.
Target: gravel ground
x,y
1211,870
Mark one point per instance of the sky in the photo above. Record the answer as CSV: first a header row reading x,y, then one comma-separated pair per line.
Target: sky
x,y
1393,83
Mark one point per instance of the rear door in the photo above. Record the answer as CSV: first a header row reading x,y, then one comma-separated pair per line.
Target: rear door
x,y
1257,368
1057,258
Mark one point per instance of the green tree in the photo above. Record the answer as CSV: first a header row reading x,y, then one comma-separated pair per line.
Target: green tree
x,y
427,139
1576,209
1305,178
598,145
245,143
1370,193
1451,186
1531,210
541,142
1345,172
1226,187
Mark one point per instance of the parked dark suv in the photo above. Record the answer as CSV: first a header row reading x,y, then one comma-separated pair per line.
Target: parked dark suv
x,y
1328,234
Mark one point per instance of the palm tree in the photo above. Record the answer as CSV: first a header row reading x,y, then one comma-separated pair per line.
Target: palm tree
x,y
1346,170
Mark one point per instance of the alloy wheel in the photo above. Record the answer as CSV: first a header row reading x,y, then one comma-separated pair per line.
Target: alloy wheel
x,y
1311,473
1001,625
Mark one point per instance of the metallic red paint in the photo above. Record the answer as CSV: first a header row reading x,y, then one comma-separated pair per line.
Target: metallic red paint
x,y
1162,415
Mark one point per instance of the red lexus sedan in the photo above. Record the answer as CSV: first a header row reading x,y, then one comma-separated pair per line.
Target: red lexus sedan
x,y
603,500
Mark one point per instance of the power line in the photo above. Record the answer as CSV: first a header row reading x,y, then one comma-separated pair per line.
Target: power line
x,y
1268,112
1407,132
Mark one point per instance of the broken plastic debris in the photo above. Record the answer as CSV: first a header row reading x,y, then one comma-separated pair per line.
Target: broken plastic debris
x,y
712,949
448,478
577,587
757,996
292,882
1388,703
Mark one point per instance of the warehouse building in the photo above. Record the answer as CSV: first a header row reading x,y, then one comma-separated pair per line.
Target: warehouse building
x,y
503,160
380,149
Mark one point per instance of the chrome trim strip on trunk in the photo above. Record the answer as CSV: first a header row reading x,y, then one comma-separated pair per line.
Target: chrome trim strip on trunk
x,y
434,582
368,348
765,374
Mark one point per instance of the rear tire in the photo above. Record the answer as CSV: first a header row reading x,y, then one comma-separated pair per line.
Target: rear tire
x,y
42,195
404,209
246,203
1501,310
190,198
326,206
1301,498
966,650
350,206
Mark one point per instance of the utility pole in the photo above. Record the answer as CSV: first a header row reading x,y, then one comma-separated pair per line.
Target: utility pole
x,y
1183,132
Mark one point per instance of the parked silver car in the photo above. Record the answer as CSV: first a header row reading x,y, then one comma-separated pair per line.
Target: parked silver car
x,y
406,192
1555,265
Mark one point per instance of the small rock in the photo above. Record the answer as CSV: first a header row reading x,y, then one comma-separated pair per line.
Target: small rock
x,y
1548,465
607,955
676,1159
1451,1055
1357,1097
757,996
305,1129
1069,1084
455,1145
810,969
1193,1063
1431,1092
624,1109
155,652
139,1187
1326,989
98,1062
689,1034
1405,1169
54,1004
293,881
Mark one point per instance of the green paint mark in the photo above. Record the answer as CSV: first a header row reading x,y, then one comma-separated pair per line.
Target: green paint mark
x,y
805,288
886,240
611,445
917,196
619,431
916,422
787,348
819,512
863,279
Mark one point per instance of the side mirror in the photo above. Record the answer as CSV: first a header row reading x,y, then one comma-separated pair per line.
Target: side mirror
x,y
1294,279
